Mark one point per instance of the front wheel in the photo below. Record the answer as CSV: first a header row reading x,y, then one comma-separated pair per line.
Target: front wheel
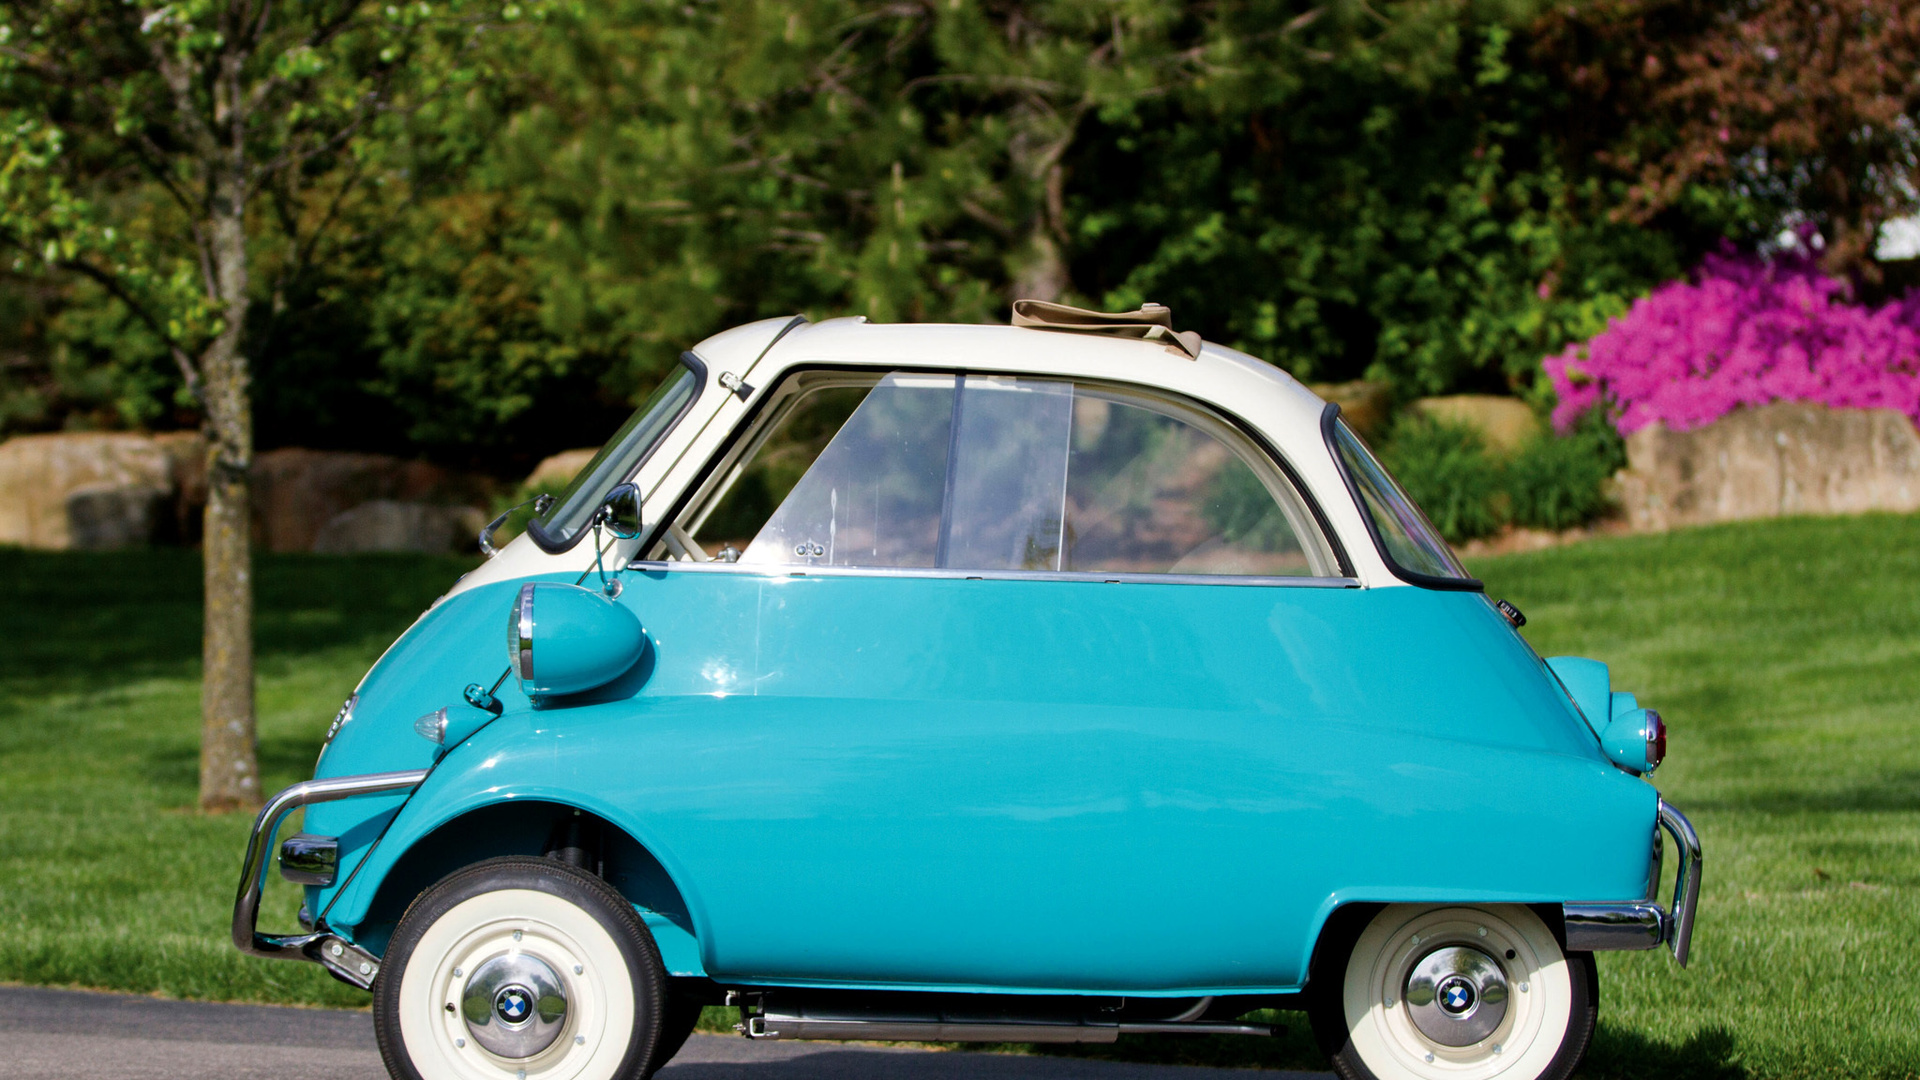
x,y
519,969
1457,993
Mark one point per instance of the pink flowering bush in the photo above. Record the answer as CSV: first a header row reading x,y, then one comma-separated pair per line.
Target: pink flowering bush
x,y
1746,331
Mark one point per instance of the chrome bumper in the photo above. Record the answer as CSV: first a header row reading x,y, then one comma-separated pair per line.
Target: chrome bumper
x,y
346,960
1644,924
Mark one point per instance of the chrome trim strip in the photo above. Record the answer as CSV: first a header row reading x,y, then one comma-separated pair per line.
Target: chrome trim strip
x,y
1175,1028
342,957
776,1025
1686,882
1605,927
656,566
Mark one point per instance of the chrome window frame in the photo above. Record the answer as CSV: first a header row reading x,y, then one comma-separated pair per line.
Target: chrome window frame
x,y
703,495
655,566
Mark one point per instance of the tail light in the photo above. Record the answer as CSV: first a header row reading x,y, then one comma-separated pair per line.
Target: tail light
x,y
1656,740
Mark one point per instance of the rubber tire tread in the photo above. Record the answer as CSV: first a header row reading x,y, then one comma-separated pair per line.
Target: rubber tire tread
x,y
677,1024
1327,1015
555,878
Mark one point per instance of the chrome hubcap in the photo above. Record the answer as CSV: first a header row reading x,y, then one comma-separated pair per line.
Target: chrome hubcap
x,y
514,1005
1456,995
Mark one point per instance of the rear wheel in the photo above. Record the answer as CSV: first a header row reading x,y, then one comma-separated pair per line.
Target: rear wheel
x,y
519,969
1457,993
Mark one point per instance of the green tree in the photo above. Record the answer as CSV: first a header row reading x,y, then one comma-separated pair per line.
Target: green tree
x,y
1383,193
1759,114
166,154
663,171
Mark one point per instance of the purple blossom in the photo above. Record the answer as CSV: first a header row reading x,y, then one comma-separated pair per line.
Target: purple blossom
x,y
1745,331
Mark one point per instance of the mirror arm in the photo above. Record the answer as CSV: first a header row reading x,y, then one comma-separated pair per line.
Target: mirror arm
x,y
541,503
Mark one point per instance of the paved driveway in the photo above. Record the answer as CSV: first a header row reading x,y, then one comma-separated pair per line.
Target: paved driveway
x,y
88,1036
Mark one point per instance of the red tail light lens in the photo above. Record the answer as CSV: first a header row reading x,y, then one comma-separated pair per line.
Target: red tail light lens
x,y
1656,740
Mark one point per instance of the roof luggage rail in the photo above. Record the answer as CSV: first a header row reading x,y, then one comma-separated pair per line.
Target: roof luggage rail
x,y
1152,322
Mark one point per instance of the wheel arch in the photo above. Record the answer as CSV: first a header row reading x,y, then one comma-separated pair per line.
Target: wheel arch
x,y
550,826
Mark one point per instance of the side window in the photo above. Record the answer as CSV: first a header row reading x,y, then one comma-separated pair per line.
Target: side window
x,y
1000,473
846,476
1152,491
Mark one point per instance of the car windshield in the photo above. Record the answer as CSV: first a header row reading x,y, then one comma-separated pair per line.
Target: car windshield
x,y
1410,541
622,455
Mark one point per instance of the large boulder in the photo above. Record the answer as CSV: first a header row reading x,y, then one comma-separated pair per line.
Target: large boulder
x,y
1365,404
107,490
113,481
553,474
110,517
1783,458
1505,423
389,525
297,493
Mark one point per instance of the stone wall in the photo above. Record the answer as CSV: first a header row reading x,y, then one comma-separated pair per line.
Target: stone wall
x,y
101,491
1783,458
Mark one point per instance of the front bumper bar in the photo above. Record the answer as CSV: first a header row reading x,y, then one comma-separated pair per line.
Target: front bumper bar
x,y
1644,924
343,958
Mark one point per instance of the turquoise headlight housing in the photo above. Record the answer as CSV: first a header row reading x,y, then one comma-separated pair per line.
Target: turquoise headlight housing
x,y
563,639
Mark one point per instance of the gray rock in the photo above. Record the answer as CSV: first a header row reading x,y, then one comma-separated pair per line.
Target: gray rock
x,y
297,493
1783,458
391,525
110,517
40,473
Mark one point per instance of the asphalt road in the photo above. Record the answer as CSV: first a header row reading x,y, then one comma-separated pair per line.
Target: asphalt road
x,y
87,1036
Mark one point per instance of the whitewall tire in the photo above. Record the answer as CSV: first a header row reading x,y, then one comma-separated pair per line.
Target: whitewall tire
x,y
519,969
1469,992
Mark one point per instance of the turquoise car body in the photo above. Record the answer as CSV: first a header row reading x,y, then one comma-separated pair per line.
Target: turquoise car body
x,y
957,784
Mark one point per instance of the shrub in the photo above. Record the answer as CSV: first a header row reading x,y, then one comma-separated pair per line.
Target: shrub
x,y
1446,468
1746,331
1559,482
1553,482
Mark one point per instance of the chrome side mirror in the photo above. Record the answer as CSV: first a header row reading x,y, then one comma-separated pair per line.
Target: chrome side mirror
x,y
620,511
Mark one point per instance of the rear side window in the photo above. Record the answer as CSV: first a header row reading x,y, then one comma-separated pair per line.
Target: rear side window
x,y
997,473
1410,542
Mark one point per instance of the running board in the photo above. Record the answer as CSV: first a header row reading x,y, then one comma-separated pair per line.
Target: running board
x,y
774,1023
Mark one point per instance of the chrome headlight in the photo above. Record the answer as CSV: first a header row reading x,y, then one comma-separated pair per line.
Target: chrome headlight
x,y
520,637
585,639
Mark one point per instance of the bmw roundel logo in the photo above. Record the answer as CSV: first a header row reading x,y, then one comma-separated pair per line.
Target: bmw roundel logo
x,y
1456,995
514,1004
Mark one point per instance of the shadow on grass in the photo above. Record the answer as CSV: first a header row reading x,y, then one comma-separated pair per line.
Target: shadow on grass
x,y
1625,1054
1897,792
175,765
105,621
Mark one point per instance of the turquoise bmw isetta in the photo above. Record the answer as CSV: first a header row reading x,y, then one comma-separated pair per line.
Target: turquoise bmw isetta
x,y
1045,682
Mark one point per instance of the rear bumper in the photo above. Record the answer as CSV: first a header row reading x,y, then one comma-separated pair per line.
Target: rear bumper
x,y
343,958
1645,924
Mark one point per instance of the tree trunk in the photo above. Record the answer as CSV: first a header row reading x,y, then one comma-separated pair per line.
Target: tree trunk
x,y
1040,271
229,766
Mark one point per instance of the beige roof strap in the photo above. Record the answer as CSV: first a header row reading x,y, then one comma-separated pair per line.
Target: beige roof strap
x,y
1153,322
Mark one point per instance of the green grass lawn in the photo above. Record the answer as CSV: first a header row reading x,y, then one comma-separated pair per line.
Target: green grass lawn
x,y
1785,656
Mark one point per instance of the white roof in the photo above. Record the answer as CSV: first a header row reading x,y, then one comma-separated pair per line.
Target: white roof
x,y
1263,398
